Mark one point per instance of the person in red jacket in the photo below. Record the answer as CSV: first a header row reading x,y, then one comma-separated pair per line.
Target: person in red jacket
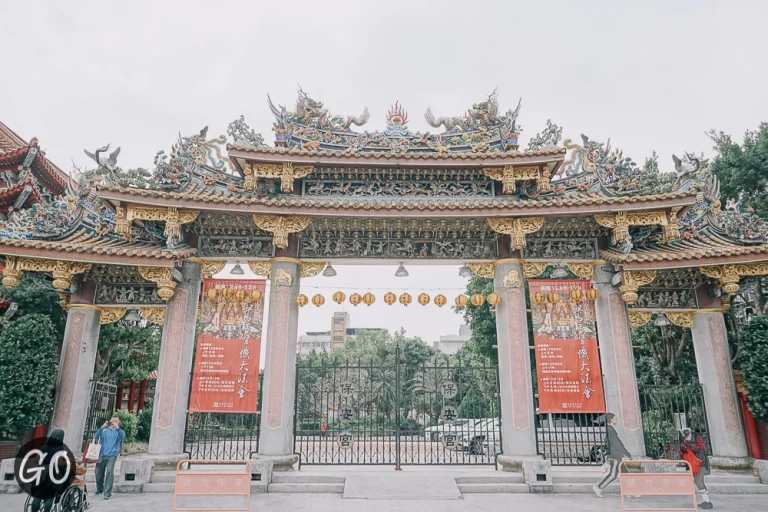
x,y
695,452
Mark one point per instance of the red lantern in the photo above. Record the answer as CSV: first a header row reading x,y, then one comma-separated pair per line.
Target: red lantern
x,y
462,300
211,293
318,300
592,294
539,298
478,299
423,299
577,295
240,295
256,295
440,300
405,299
493,299
355,299
302,300
553,298
339,297
390,298
369,299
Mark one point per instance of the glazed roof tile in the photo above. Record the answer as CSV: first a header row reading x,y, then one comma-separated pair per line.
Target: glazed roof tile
x,y
706,246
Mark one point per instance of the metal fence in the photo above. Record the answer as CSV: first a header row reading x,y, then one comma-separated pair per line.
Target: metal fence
x,y
223,436
571,439
667,411
101,407
397,414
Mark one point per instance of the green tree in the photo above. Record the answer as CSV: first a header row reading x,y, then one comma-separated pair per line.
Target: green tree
x,y
754,365
127,351
664,355
743,169
31,297
481,320
28,356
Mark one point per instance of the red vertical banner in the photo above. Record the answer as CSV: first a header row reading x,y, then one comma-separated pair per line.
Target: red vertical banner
x,y
565,340
226,375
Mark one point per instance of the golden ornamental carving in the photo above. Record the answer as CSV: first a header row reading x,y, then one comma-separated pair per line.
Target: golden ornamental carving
x,y
730,275
172,217
510,175
11,273
260,268
286,172
64,300
634,279
163,277
62,271
531,270
209,268
111,315
639,318
680,318
482,269
516,228
154,315
512,279
280,227
311,269
583,270
671,231
282,278
621,221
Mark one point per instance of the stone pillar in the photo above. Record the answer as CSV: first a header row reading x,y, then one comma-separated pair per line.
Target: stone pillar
x,y
276,438
618,361
73,384
713,360
169,413
518,432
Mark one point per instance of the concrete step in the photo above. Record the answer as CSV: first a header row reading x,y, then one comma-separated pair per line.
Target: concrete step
x,y
298,478
163,477
506,478
737,488
731,479
493,488
164,487
583,488
324,488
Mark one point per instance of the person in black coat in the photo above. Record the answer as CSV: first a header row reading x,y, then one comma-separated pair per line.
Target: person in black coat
x,y
616,452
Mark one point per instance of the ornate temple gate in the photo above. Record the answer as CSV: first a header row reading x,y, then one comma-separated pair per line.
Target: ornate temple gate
x,y
360,413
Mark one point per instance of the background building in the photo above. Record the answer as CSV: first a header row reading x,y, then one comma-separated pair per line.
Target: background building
x,y
334,339
451,343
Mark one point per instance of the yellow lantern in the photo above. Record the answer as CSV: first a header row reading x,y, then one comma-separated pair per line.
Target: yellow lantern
x,y
339,297
493,299
302,300
390,298
553,298
440,300
240,295
478,299
256,295
227,293
577,295
423,299
539,298
355,299
211,293
462,300
405,299
369,299
318,300
592,294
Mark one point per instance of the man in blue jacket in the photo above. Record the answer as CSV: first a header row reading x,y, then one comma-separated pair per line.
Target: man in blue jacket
x,y
110,436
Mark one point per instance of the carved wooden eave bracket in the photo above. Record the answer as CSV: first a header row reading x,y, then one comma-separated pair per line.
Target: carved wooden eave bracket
x,y
306,268
63,271
633,280
286,172
730,275
509,175
172,217
163,277
678,318
209,268
281,227
516,228
153,315
620,223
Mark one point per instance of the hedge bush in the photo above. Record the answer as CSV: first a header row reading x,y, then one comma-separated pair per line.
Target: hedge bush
x,y
754,365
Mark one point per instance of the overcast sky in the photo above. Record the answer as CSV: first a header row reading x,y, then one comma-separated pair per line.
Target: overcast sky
x,y
649,75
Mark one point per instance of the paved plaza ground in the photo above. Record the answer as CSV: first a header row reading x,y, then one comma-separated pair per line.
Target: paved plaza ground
x,y
335,503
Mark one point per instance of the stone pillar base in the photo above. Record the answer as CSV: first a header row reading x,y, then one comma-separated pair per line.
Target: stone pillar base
x,y
761,467
538,476
514,463
731,462
134,473
279,462
8,483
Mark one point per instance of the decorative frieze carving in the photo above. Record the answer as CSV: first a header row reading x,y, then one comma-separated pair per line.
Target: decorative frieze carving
x,y
532,269
311,269
633,280
209,268
261,268
128,294
639,318
280,227
329,246
681,318
163,276
286,173
510,175
561,249
621,221
111,315
242,246
63,271
154,315
583,270
397,188
516,228
666,298
729,275
172,217
482,269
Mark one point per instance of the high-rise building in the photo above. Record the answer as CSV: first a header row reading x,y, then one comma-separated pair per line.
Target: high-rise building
x,y
339,324
451,343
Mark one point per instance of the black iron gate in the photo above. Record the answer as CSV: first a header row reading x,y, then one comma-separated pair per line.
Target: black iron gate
x,y
397,414
101,408
667,412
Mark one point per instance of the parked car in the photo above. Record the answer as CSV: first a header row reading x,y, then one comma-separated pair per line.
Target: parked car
x,y
480,435
435,433
565,438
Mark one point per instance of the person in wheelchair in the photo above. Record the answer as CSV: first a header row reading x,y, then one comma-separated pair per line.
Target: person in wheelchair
x,y
75,497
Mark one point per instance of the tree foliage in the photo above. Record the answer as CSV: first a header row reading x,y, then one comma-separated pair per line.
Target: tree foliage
x,y
743,168
754,365
31,297
28,356
664,355
127,351
481,320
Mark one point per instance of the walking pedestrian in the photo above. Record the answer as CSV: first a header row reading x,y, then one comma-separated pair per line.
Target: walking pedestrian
x,y
695,452
111,436
616,452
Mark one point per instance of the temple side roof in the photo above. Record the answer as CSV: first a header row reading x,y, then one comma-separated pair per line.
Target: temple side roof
x,y
9,140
